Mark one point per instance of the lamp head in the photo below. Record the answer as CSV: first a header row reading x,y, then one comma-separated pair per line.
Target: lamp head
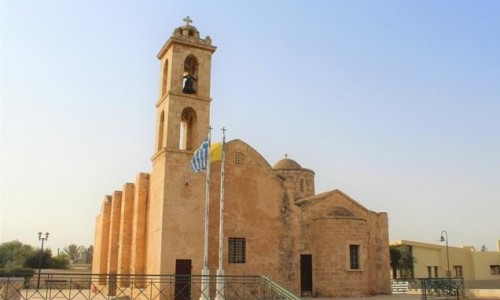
x,y
43,238
442,239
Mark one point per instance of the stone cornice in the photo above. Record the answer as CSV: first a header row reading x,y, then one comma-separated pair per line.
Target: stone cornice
x,y
164,149
191,42
166,95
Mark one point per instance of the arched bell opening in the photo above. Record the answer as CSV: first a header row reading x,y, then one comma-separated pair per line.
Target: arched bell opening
x,y
188,122
190,79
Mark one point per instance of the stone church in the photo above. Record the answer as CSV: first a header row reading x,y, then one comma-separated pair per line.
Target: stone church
x,y
326,245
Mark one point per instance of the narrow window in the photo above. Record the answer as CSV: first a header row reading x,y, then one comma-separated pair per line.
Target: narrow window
x,y
161,129
188,119
164,78
429,271
495,269
237,247
237,158
301,185
436,274
354,257
458,271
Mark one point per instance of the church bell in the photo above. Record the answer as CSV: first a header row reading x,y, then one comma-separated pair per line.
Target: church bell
x,y
189,84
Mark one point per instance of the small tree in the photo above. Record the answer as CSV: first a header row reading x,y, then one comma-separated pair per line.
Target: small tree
x,y
407,261
14,254
71,251
395,255
90,254
33,261
402,259
60,261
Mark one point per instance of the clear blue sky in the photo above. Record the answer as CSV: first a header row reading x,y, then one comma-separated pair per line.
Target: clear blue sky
x,y
396,103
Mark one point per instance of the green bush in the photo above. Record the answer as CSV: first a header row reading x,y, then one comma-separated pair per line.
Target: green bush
x,y
17,272
33,261
27,273
60,262
14,254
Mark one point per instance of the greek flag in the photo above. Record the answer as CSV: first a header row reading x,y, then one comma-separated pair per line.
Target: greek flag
x,y
200,157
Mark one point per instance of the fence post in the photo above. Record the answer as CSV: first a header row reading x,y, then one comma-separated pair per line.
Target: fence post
x,y
112,284
424,289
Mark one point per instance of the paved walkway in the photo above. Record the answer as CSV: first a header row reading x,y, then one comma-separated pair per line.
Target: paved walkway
x,y
378,297
399,297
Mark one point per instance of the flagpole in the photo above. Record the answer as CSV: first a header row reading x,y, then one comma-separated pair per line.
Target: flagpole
x,y
220,270
205,286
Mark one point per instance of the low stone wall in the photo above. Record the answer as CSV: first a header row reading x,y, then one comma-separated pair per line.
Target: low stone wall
x,y
482,284
469,293
483,293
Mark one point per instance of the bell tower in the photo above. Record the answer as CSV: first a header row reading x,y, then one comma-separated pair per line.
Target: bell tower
x,y
175,214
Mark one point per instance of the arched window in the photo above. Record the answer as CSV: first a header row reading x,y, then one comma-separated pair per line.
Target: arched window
x,y
188,120
164,78
190,79
161,130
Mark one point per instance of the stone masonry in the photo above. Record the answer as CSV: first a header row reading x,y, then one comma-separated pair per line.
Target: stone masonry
x,y
325,245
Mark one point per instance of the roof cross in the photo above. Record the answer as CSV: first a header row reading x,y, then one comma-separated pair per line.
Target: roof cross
x,y
286,156
187,20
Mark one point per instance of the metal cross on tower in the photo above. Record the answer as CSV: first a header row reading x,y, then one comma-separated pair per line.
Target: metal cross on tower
x,y
187,20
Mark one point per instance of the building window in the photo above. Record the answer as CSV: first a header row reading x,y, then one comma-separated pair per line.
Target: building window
x,y
301,185
436,269
237,158
495,269
458,271
237,249
354,257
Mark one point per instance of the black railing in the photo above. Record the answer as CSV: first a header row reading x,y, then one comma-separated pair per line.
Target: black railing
x,y
141,287
442,288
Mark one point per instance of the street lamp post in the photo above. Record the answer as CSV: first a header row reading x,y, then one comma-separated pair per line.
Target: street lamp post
x,y
442,239
43,239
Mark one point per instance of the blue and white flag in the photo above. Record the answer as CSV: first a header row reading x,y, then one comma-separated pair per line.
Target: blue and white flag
x,y
200,157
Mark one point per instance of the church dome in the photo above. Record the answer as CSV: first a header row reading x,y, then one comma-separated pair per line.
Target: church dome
x,y
287,164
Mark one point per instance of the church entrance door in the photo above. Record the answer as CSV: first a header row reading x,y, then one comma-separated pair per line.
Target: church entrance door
x,y
182,279
306,283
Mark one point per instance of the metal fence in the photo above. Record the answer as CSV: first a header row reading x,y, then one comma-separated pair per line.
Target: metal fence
x,y
442,287
143,287
435,287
